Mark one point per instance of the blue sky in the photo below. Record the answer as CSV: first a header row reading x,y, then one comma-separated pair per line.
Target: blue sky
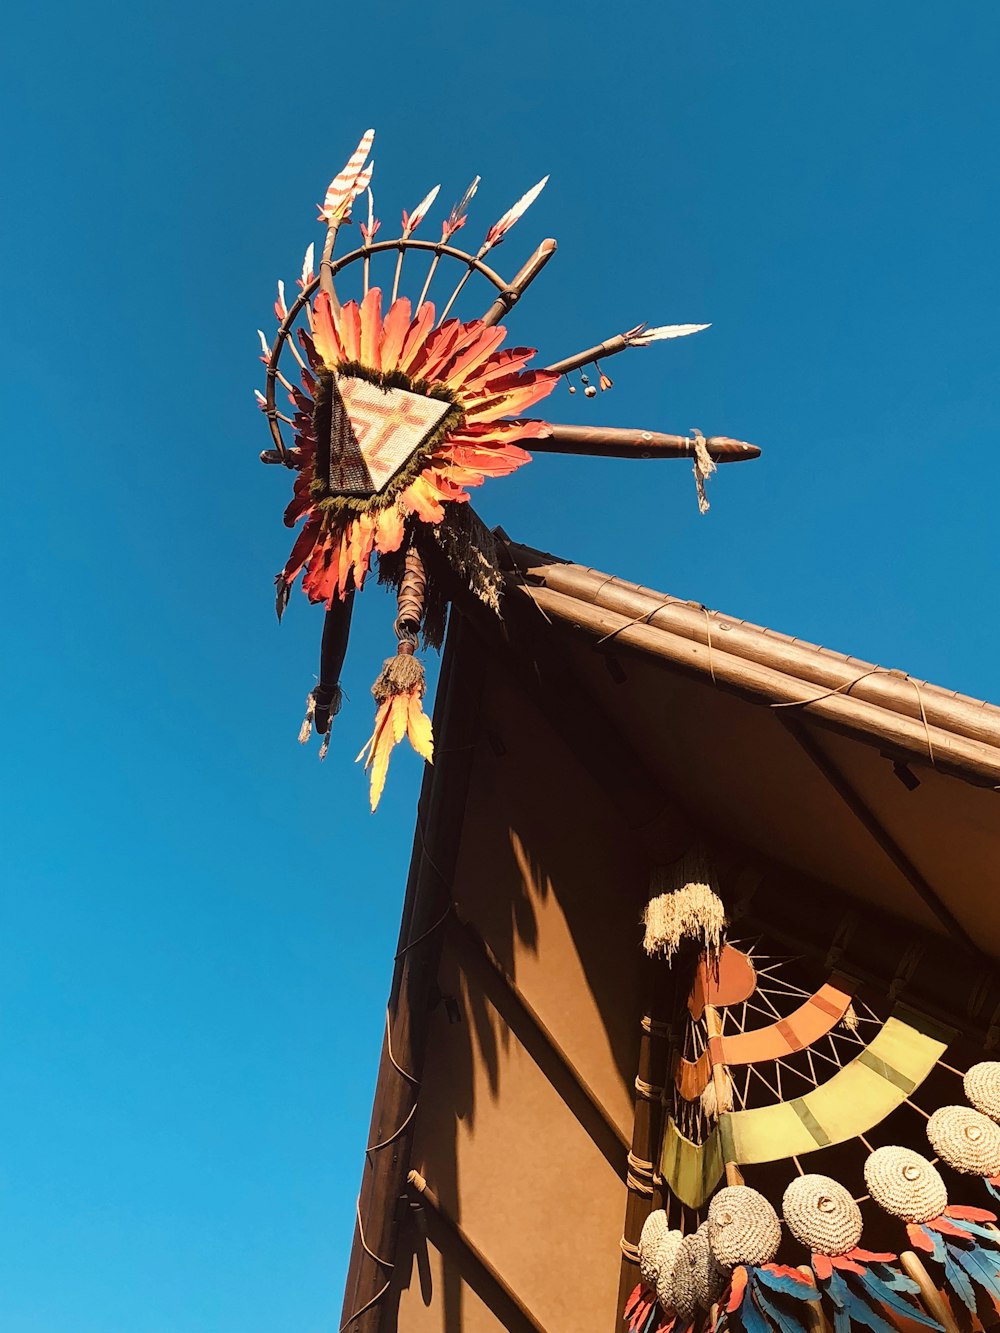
x,y
197,930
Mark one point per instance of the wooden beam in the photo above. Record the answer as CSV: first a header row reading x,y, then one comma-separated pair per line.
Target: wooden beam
x,y
878,832
614,442
530,1030
512,1312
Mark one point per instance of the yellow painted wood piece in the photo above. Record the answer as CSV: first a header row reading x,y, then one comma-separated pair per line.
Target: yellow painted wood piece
x,y
864,1092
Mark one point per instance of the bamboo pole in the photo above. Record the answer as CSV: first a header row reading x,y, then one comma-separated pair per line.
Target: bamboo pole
x,y
614,442
817,1319
825,669
521,282
955,755
647,1125
929,1294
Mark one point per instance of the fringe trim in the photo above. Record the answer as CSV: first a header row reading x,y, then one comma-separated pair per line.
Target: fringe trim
x,y
704,466
685,906
402,674
710,1103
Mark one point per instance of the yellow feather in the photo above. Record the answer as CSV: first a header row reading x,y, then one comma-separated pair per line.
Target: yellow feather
x,y
418,729
380,765
400,703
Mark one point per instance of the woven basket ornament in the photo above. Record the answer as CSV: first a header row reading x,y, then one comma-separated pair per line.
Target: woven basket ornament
x,y
743,1228
905,1184
982,1087
685,1298
664,1259
820,1213
654,1229
710,1278
967,1140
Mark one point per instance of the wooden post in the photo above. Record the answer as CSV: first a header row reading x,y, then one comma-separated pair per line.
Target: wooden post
x,y
929,1294
647,1127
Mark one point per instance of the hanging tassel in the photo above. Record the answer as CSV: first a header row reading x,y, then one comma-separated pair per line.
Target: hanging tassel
x,y
401,684
712,1103
850,1019
324,701
704,466
685,906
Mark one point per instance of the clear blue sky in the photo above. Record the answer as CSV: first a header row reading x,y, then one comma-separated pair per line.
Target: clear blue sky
x,y
198,920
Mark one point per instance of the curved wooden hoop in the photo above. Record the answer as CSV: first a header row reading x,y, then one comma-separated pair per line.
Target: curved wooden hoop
x,y
363,252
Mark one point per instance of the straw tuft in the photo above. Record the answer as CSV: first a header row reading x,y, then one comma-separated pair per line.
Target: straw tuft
x,y
966,1140
684,906
743,1228
905,1184
711,1104
820,1213
982,1087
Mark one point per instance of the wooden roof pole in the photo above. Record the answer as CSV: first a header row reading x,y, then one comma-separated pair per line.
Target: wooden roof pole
x,y
952,712
878,832
428,901
518,1316
906,737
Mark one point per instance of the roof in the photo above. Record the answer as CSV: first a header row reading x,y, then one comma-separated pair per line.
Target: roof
x,y
852,809
855,774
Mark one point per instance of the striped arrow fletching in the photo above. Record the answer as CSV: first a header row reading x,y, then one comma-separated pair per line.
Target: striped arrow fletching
x,y
500,228
411,221
343,188
648,336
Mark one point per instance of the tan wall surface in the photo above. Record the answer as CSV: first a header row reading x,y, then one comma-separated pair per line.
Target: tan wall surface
x,y
504,1137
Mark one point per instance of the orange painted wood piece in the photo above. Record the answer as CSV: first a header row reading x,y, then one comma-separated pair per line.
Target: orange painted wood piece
x,y
813,1019
734,981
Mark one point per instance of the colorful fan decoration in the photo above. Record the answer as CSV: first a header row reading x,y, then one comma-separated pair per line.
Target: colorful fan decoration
x,y
767,1070
397,413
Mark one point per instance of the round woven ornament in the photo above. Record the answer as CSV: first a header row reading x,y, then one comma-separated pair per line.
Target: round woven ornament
x,y
654,1229
664,1257
967,1140
743,1228
685,1299
710,1278
820,1213
905,1184
982,1087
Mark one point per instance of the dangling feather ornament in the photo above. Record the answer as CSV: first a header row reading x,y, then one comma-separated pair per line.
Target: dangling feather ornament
x,y
969,1142
857,1286
908,1186
763,1297
649,1309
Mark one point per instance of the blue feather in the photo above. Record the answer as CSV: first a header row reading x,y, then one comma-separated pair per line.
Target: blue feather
x,y
799,1288
652,1319
750,1317
782,1320
958,1281
980,1267
836,1288
977,1229
886,1296
895,1278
